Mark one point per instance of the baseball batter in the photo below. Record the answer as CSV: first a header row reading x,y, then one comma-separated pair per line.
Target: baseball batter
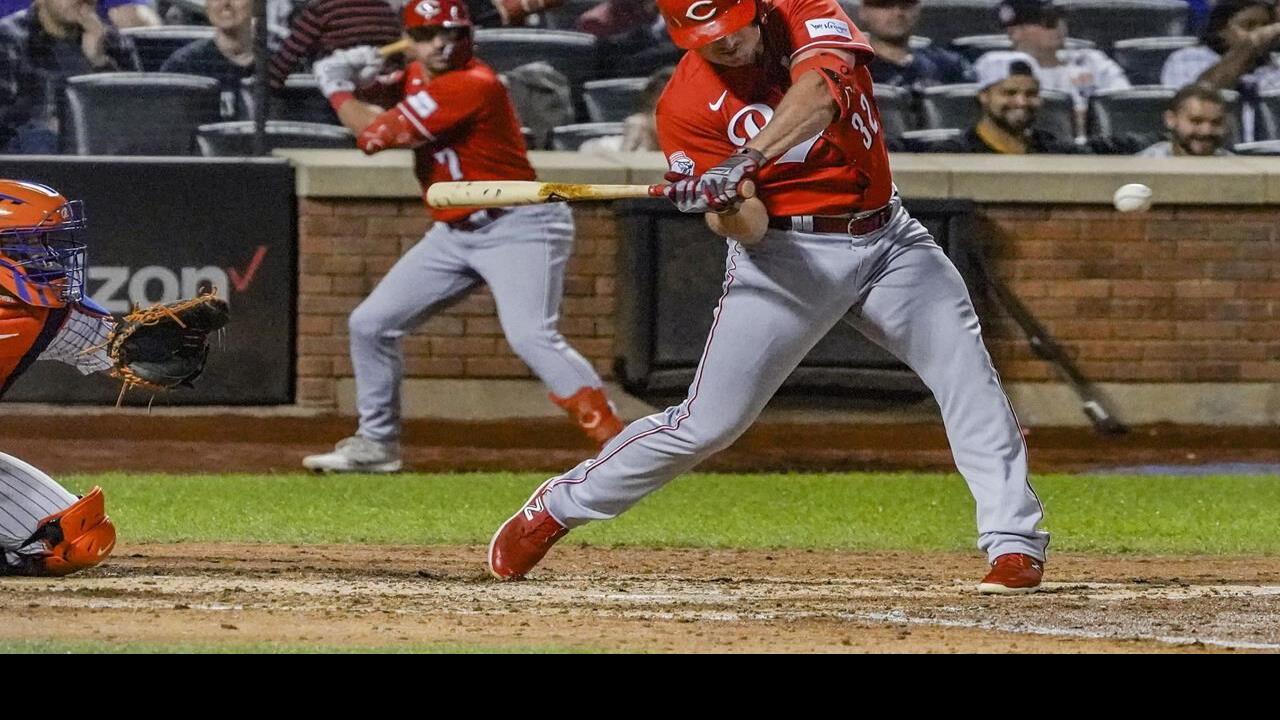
x,y
454,112
777,91
45,530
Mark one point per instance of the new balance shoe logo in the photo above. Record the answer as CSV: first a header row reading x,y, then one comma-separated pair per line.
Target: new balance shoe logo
x,y
533,508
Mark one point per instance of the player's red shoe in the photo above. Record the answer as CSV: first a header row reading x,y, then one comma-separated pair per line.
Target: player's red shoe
x,y
524,539
592,411
1012,573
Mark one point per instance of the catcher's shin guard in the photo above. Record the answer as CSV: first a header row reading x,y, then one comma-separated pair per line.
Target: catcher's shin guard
x,y
591,410
79,537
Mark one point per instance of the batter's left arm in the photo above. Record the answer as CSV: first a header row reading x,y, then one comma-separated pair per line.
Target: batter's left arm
x,y
817,96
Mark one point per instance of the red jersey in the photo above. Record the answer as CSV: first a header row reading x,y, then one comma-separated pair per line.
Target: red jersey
x,y
462,125
708,111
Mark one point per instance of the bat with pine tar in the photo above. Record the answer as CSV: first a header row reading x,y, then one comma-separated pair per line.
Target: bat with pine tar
x,y
746,224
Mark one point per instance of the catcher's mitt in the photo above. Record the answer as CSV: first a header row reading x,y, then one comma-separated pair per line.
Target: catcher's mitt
x,y
165,346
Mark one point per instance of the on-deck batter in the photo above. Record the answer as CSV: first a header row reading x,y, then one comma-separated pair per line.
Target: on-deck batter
x,y
455,113
778,91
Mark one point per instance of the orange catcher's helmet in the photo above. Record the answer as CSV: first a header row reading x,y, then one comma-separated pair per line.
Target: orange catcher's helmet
x,y
694,23
42,259
422,17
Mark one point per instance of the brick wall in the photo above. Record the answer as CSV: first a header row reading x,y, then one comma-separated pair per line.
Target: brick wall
x,y
1174,295
346,246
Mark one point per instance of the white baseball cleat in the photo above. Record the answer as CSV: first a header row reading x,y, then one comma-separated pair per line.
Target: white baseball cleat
x,y
357,454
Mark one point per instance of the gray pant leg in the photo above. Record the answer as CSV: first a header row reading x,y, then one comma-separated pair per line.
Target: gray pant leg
x,y
776,304
522,257
430,273
27,496
917,307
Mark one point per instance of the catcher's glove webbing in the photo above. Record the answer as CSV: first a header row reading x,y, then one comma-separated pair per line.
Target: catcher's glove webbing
x,y
165,346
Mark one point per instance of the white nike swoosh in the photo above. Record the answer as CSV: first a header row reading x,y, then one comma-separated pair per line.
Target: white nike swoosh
x,y
6,337
715,106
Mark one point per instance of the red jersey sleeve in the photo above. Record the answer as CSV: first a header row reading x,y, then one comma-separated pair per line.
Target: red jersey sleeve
x,y
448,101
822,24
690,147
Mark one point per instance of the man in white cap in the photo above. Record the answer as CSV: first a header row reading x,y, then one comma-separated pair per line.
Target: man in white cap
x,y
1009,94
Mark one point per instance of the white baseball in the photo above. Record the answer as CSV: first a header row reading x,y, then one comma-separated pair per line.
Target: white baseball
x,y
1134,197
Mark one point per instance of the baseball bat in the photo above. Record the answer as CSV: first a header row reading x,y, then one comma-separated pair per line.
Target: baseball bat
x,y
508,193
395,48
746,224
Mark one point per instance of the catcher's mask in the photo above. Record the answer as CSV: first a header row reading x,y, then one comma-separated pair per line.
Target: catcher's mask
x,y
42,260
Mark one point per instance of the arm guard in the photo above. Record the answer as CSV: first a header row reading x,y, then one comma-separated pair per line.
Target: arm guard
x,y
837,73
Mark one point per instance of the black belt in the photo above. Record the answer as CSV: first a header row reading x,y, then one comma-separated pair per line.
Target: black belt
x,y
469,225
859,224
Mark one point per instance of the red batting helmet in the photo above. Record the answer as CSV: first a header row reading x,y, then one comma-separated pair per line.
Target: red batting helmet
x,y
41,256
443,14
694,23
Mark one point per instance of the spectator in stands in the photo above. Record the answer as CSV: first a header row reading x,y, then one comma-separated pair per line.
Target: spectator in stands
x,y
1197,124
888,25
1038,29
1236,51
1010,99
121,13
226,57
633,39
613,17
327,25
639,129
41,47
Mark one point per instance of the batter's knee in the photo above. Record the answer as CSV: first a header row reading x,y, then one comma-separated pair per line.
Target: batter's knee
x,y
529,344
368,324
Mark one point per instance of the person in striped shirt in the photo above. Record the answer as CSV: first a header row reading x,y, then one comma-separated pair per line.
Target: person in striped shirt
x,y
324,26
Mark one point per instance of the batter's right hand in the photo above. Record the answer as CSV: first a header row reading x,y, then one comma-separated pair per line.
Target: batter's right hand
x,y
685,193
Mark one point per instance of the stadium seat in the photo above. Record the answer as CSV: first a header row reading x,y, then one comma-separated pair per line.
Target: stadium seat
x,y
156,44
299,101
1267,122
612,100
973,46
928,140
1142,58
1261,147
235,139
572,53
896,113
1141,110
1108,21
571,137
956,106
135,113
948,106
945,20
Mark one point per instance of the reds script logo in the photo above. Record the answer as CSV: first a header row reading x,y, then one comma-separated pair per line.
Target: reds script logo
x,y
750,120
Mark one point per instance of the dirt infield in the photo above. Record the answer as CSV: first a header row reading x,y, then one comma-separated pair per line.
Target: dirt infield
x,y
647,600
245,443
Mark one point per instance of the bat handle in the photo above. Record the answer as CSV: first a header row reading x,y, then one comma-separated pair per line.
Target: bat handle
x,y
746,188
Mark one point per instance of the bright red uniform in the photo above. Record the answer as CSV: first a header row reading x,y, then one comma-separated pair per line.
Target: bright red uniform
x,y
461,126
708,111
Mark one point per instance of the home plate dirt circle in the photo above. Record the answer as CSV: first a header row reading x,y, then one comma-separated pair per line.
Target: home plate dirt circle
x,y
642,599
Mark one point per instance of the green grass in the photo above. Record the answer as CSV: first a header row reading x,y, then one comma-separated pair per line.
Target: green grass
x,y
76,647
1105,514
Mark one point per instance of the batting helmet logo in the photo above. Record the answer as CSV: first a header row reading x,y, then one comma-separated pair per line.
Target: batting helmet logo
x,y
707,12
